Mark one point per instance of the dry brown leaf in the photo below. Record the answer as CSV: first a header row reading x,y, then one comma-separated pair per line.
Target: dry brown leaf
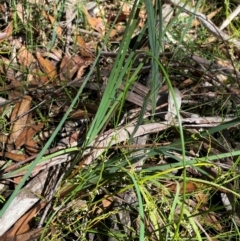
x,y
74,137
25,58
81,70
22,226
65,67
2,69
15,111
27,135
84,50
80,113
47,66
190,187
211,219
8,72
16,180
18,126
5,63
95,23
31,147
57,53
118,30
70,139
205,217
45,15
70,65
53,56
186,82
8,31
28,236
4,138
113,33
3,8
3,36
22,136
107,202
14,156
58,29
127,8
37,77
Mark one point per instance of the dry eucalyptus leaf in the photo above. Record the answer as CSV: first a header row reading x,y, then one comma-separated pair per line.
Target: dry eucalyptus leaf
x,y
59,30
84,50
95,23
70,65
27,134
25,57
19,110
3,36
47,66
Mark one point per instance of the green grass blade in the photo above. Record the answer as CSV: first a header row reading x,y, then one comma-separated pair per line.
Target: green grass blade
x,y
116,78
141,210
154,42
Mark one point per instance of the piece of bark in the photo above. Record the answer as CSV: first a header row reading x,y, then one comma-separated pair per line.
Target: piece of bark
x,y
24,200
